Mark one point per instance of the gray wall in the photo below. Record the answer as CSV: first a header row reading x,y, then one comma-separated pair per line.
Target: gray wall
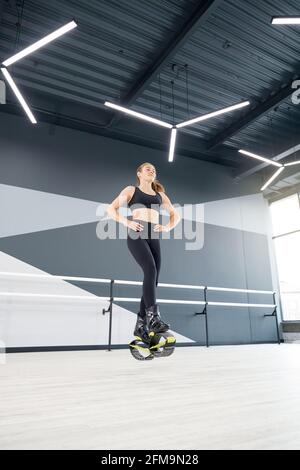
x,y
52,181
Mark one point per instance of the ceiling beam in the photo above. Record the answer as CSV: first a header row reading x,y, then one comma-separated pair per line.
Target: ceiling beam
x,y
261,166
200,14
252,115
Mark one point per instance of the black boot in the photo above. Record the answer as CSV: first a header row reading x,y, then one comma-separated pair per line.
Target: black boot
x,y
154,322
141,329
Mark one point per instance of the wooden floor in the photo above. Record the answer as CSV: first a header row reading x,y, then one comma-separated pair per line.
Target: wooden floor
x,y
224,397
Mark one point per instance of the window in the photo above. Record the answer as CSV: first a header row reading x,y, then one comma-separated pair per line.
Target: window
x,y
286,235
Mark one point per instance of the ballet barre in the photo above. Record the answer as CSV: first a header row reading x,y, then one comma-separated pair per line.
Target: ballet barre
x,y
239,304
112,298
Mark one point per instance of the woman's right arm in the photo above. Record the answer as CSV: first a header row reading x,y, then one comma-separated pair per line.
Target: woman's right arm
x,y
112,210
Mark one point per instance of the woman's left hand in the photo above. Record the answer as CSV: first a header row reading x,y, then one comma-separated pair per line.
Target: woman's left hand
x,y
160,228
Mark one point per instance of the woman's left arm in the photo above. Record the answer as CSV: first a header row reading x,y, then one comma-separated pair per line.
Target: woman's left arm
x,y
174,216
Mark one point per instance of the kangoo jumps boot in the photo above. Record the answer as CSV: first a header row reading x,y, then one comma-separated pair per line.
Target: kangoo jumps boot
x,y
141,329
154,322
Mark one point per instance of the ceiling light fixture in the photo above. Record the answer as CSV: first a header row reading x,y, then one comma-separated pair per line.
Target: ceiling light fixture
x,y
258,157
18,94
177,126
42,42
138,115
211,115
172,144
272,178
285,20
271,162
25,52
292,163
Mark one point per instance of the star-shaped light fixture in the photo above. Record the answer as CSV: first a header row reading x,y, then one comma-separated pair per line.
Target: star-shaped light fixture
x,y
280,166
177,126
24,53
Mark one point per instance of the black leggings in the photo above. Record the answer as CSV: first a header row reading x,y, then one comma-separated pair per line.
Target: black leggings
x,y
145,248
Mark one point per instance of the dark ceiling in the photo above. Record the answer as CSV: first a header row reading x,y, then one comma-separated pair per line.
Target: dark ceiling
x,y
171,59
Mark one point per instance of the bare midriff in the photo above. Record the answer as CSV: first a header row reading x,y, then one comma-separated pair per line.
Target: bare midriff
x,y
148,215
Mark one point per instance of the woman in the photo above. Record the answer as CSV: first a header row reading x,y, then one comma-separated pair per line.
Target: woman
x,y
146,197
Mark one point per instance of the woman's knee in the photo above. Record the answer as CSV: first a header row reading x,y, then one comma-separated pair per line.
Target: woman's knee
x,y
151,271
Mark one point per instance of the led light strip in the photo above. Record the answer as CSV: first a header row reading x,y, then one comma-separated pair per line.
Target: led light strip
x,y
42,42
138,115
18,94
172,144
272,178
285,20
258,157
215,113
292,163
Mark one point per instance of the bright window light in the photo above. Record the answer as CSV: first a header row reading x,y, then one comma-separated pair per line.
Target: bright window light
x,y
18,95
211,115
286,20
172,145
258,157
286,216
138,115
272,178
286,235
288,263
42,42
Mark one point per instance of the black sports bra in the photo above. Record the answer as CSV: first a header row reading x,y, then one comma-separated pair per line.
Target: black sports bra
x,y
141,199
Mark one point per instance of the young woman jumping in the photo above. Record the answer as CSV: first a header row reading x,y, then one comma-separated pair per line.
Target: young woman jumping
x,y
146,198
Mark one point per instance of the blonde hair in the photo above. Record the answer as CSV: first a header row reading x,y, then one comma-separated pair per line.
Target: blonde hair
x,y
156,185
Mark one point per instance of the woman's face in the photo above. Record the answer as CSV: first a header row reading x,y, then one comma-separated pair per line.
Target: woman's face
x,y
148,173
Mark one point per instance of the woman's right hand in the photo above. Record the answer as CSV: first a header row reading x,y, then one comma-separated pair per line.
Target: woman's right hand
x,y
135,226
